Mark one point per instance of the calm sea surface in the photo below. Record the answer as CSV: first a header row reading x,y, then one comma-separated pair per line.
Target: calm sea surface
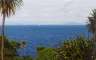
x,y
48,36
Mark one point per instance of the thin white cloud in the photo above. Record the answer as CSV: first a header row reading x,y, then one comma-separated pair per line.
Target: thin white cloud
x,y
52,12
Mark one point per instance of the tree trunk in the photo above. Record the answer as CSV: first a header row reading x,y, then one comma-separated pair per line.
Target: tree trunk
x,y
2,33
94,48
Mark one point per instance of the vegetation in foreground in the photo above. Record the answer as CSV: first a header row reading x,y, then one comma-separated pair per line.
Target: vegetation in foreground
x,y
10,50
77,49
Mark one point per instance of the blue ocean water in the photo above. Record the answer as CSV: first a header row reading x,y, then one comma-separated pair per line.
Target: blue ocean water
x,y
43,35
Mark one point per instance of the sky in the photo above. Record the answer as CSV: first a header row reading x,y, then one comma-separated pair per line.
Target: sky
x,y
52,12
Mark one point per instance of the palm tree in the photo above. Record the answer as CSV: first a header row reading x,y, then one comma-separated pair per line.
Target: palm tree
x,y
92,28
7,8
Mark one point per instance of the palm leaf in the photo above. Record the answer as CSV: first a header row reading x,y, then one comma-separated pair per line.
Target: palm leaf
x,y
8,7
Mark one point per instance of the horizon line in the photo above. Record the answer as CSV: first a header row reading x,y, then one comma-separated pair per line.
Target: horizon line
x,y
47,25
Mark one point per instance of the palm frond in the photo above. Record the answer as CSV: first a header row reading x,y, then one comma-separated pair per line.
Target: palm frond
x,y
92,21
8,7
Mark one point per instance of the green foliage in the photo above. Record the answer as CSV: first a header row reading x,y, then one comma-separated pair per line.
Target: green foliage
x,y
27,58
18,58
23,58
77,49
46,54
10,50
14,44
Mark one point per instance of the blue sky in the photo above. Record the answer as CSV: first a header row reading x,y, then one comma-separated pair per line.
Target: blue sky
x,y
52,12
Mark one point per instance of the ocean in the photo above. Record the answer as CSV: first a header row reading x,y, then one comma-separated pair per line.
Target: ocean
x,y
43,35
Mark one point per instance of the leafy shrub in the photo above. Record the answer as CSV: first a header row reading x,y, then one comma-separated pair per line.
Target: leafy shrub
x,y
46,54
23,58
77,49
10,50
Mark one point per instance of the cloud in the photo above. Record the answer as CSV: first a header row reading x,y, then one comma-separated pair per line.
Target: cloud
x,y
38,12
